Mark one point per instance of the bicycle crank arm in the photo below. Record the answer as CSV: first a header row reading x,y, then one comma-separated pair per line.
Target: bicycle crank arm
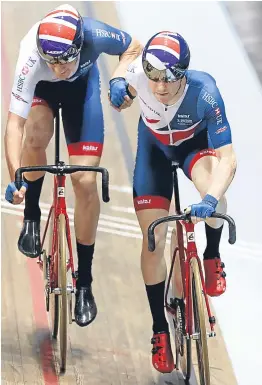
x,y
57,290
196,336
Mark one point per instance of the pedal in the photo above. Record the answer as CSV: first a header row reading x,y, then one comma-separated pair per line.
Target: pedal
x,y
56,290
75,275
69,290
195,336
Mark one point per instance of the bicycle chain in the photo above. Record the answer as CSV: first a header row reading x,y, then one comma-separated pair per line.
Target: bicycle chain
x,y
47,286
180,317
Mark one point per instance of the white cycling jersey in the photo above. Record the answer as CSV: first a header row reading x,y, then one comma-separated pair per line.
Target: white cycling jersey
x,y
30,69
199,108
155,115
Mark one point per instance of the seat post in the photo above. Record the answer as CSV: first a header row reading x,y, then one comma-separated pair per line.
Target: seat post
x,y
57,137
176,189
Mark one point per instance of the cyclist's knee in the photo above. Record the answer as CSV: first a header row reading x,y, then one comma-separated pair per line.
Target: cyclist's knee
x,y
84,183
160,232
39,128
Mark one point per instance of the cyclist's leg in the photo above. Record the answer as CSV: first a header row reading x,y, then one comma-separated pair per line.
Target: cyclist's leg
x,y
152,195
39,131
199,166
84,130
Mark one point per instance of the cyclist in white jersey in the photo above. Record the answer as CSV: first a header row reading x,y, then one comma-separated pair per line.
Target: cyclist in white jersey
x,y
57,67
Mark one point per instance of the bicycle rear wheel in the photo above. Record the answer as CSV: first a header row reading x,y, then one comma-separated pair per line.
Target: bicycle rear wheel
x,y
200,333
62,284
182,344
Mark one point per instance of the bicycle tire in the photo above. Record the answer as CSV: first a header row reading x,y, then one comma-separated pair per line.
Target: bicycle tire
x,y
182,344
54,303
199,324
54,315
62,284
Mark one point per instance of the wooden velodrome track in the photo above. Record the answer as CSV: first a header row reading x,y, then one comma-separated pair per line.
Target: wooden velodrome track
x,y
115,349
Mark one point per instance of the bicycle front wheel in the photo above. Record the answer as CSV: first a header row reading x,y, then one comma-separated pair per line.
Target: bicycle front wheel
x,y
62,284
200,333
54,300
182,344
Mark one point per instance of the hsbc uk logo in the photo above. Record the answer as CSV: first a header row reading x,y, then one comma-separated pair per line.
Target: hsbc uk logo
x,y
209,99
21,79
218,116
103,33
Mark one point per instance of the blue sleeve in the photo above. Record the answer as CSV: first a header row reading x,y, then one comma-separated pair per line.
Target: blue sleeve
x,y
106,38
211,108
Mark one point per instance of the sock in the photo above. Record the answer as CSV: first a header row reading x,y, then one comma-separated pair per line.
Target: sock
x,y
155,295
85,258
213,239
32,210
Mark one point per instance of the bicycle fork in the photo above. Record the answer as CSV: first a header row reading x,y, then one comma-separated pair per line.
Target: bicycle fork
x,y
191,252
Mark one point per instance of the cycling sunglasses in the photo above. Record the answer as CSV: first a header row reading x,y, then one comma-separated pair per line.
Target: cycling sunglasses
x,y
165,75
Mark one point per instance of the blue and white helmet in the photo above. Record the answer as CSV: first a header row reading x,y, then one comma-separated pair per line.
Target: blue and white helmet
x,y
60,35
166,57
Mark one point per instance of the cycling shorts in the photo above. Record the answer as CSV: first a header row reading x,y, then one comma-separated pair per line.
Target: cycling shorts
x,y
81,109
153,178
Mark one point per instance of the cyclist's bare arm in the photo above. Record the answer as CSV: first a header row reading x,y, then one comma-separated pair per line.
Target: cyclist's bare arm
x,y
13,142
132,52
13,150
224,172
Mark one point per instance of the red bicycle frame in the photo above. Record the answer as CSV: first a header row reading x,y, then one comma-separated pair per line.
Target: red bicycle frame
x,y
58,207
186,254
60,169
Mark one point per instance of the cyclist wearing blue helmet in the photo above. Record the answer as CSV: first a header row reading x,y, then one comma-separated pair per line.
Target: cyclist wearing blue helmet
x,y
57,66
183,119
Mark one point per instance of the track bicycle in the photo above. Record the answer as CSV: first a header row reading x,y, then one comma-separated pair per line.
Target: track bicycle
x,y
56,258
189,299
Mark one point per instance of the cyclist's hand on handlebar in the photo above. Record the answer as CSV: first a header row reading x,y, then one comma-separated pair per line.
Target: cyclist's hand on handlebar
x,y
202,210
12,195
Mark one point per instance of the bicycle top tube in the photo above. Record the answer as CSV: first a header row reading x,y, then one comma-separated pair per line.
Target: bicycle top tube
x,y
62,169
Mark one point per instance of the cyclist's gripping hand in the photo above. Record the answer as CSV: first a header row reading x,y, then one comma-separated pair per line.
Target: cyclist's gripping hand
x,y
14,196
118,95
202,210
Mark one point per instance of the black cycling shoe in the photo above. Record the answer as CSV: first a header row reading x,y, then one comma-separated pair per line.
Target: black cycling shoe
x,y
29,242
85,306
